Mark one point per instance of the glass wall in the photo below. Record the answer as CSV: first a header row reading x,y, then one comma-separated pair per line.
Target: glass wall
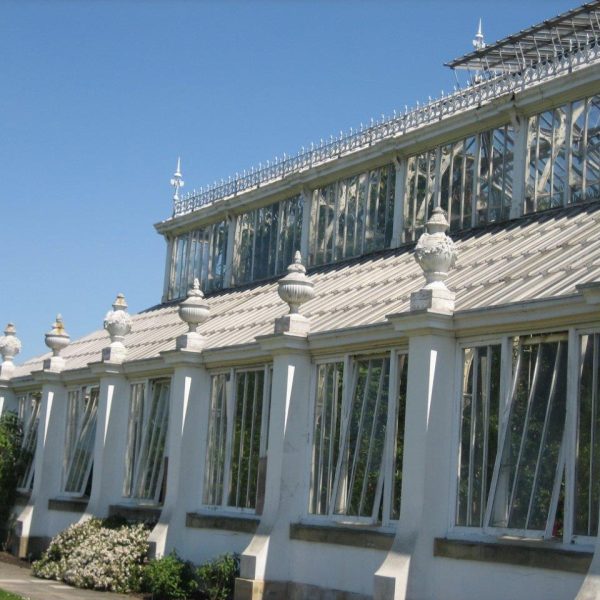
x,y
147,440
29,412
358,438
352,216
200,253
237,438
266,240
471,179
563,153
527,468
82,409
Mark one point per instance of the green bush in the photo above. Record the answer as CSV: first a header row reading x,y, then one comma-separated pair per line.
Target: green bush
x,y
169,578
10,467
217,578
91,555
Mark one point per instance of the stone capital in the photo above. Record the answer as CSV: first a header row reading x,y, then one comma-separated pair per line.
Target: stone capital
x,y
284,343
434,299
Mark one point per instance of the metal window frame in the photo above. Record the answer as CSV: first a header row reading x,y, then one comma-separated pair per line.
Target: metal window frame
x,y
229,403
323,245
383,494
159,427
30,431
81,433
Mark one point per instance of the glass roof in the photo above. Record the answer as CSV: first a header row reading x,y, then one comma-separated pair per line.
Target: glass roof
x,y
543,42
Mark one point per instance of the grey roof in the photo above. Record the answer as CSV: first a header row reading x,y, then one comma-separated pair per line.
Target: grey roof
x,y
539,256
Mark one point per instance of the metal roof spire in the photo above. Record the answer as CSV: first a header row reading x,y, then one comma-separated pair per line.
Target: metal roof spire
x,y
478,42
177,180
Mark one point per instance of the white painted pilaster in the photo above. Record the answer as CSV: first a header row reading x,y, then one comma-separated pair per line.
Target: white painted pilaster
x,y
306,222
267,557
186,439
48,459
399,194
8,399
428,448
111,439
520,125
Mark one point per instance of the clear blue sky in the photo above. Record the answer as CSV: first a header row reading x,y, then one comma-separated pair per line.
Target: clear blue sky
x,y
100,97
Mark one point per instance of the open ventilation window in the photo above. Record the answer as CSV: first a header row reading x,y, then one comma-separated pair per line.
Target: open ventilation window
x,y
82,408
29,414
529,451
237,439
145,467
357,438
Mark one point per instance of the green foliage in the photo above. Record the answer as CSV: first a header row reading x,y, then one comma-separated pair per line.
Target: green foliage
x,y
217,578
96,556
169,578
8,596
10,466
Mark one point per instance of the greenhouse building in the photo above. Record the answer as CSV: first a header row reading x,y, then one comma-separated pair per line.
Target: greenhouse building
x,y
374,368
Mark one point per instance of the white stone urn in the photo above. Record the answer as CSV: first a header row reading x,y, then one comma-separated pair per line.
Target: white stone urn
x,y
296,288
435,251
193,311
436,254
10,344
117,323
57,338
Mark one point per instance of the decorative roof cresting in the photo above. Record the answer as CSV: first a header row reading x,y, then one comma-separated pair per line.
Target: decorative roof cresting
x,y
10,346
483,91
295,289
56,339
118,324
436,254
194,311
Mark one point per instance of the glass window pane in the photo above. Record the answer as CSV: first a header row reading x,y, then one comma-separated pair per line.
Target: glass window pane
x,y
399,442
326,434
352,216
479,432
237,429
81,434
360,476
148,423
587,456
29,411
530,471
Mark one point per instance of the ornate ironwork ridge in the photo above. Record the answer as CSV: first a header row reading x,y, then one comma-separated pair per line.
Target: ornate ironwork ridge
x,y
379,131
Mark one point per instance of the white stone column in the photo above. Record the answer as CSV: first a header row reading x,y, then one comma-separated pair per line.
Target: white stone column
x,y
110,445
8,399
266,557
230,259
32,524
306,222
428,448
399,195
10,346
188,431
188,422
48,462
520,125
428,425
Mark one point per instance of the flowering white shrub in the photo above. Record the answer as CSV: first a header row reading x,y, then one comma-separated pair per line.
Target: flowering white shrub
x,y
89,555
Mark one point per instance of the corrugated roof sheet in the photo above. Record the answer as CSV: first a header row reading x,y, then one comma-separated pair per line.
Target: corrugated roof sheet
x,y
539,256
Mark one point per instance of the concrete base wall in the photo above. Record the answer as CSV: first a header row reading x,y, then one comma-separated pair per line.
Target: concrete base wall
x,y
249,589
